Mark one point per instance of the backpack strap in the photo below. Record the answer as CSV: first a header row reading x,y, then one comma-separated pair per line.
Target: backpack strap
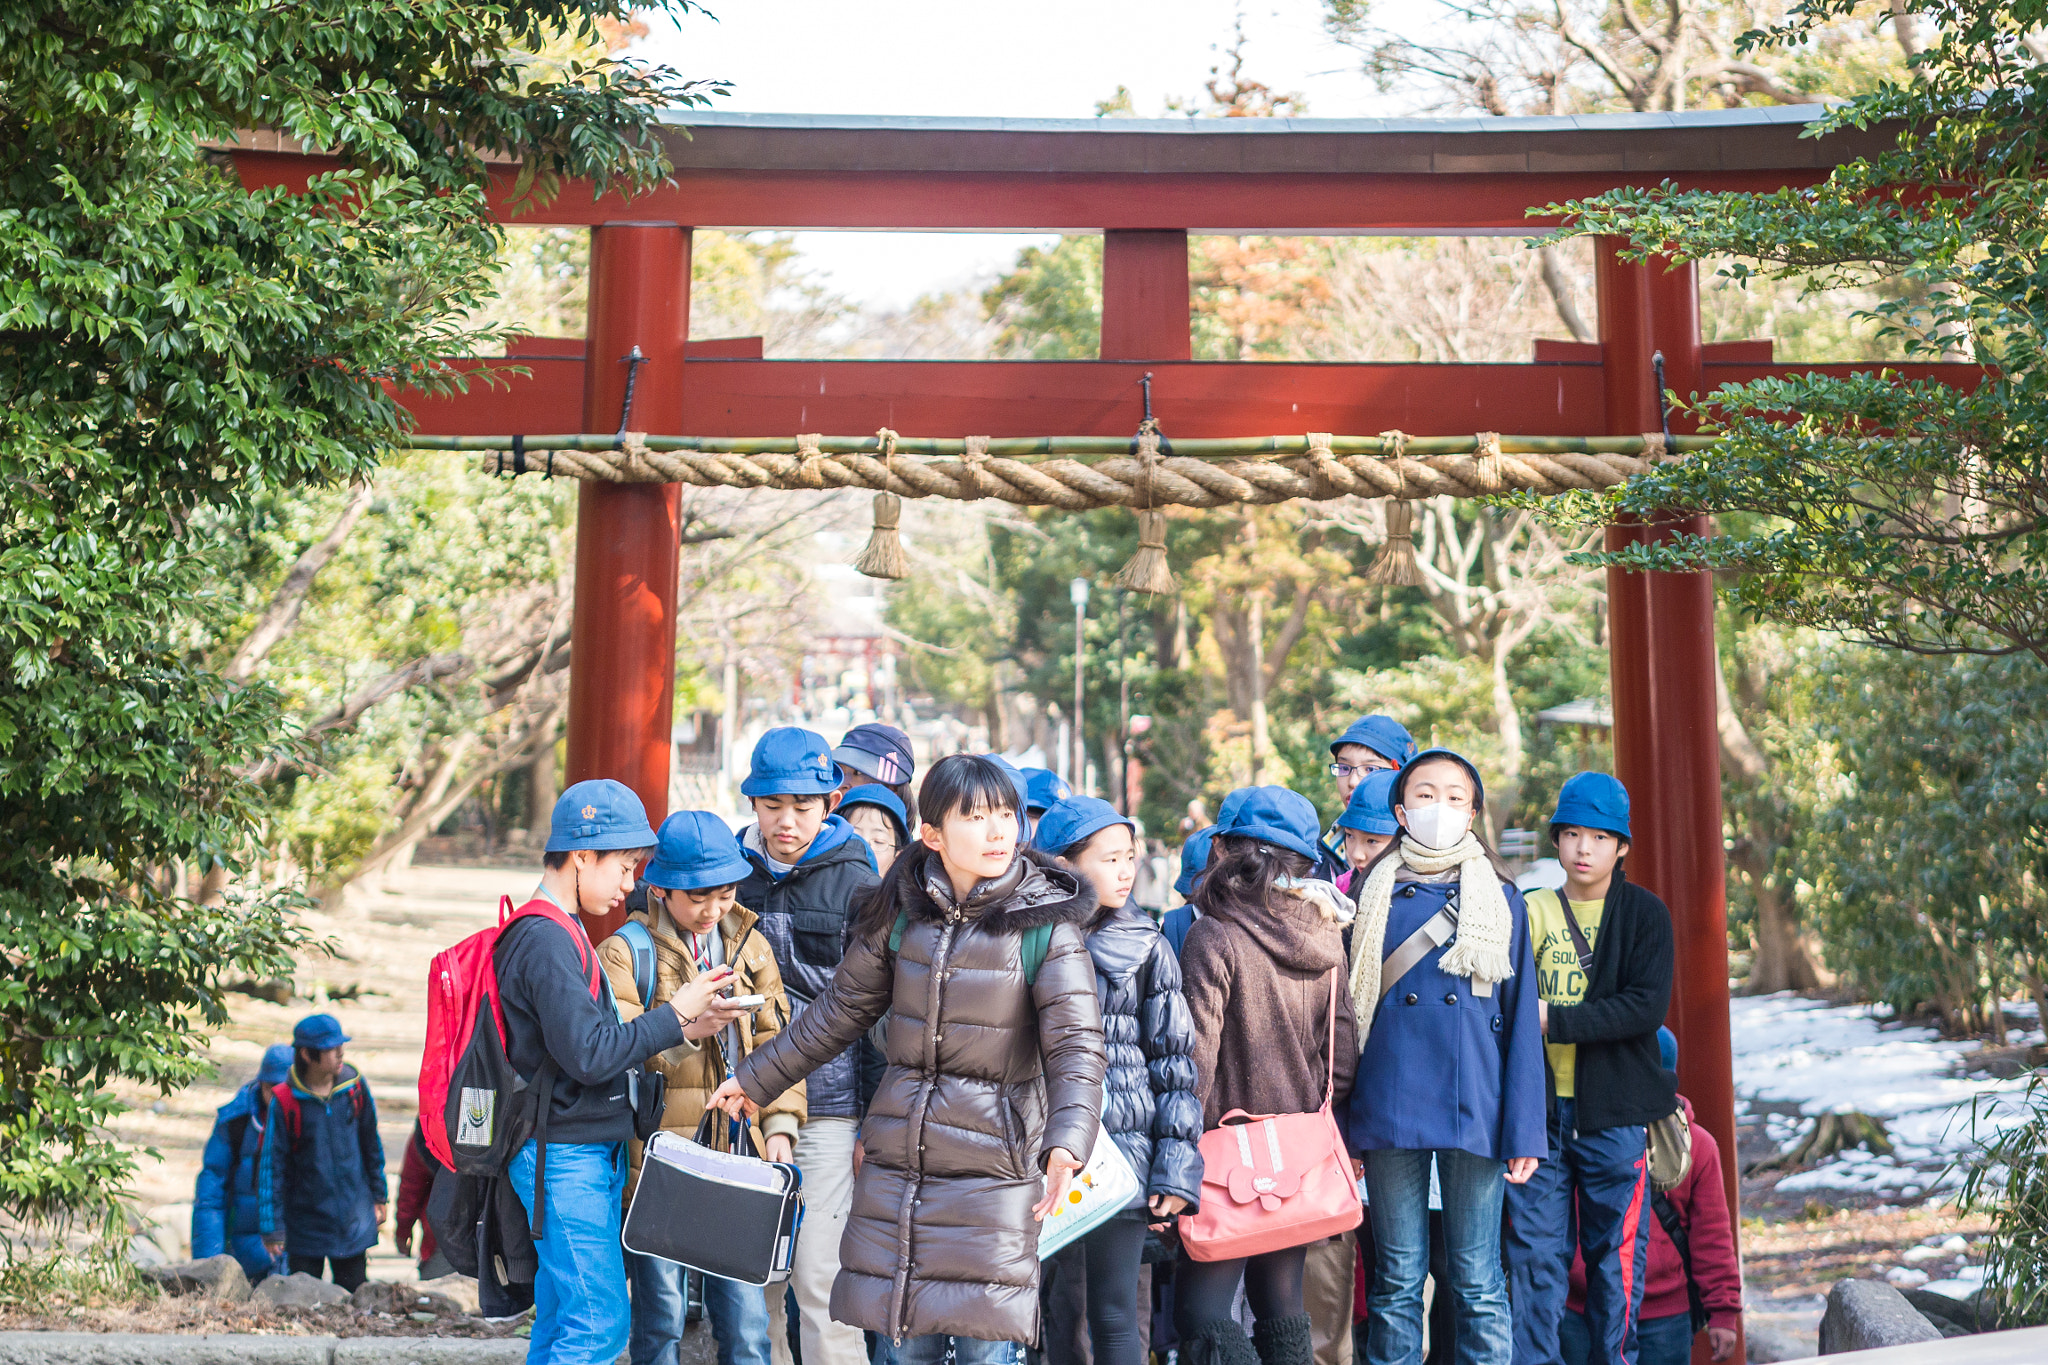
x,y
1036,941
641,944
1674,1228
896,934
288,1108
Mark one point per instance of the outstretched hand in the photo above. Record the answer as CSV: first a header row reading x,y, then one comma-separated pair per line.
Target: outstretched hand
x,y
1060,1166
732,1100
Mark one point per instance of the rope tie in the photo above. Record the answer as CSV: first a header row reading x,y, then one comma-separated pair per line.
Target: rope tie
x,y
1396,566
636,458
883,557
1490,468
1653,447
810,461
1397,443
1324,468
1147,569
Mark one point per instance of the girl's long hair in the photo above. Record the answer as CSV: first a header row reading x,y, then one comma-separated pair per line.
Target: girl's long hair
x,y
1240,875
958,784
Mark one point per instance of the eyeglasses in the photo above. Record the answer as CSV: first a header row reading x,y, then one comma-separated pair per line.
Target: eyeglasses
x,y
1343,770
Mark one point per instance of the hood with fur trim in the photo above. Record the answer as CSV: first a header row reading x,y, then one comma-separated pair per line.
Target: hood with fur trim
x,y
1033,891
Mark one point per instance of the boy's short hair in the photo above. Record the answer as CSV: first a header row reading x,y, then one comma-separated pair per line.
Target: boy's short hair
x,y
1568,824
823,798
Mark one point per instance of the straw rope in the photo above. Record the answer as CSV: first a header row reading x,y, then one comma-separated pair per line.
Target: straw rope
x,y
1153,480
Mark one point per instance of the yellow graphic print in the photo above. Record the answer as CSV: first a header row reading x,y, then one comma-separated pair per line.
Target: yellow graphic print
x,y
1558,978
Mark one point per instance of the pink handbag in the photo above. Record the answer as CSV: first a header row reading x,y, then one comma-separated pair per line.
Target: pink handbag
x,y
1271,1181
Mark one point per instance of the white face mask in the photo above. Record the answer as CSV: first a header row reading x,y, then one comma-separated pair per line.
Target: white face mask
x,y
1439,824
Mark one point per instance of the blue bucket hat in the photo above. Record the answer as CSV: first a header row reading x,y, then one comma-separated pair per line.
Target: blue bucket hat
x,y
1401,778
1667,1048
790,761
1044,788
1073,821
878,751
1023,788
319,1032
1369,811
599,814
1232,804
1194,860
882,799
1593,801
696,849
277,1064
1383,735
1275,815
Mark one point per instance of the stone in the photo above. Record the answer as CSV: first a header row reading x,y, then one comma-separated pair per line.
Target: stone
x,y
428,1351
1768,1344
154,1348
1945,1312
214,1277
300,1290
1865,1315
461,1288
374,1296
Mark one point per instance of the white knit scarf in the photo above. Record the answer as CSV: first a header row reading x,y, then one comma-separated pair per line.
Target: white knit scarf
x,y
1480,950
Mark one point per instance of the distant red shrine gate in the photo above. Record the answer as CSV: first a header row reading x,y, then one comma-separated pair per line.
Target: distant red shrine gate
x,y
1145,186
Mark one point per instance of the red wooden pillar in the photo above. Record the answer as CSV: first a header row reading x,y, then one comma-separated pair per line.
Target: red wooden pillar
x,y
623,645
1145,296
1661,638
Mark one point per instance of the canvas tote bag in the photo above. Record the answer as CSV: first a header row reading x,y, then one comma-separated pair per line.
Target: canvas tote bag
x,y
1271,1181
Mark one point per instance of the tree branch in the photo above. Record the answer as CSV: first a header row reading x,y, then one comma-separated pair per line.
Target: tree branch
x,y
282,614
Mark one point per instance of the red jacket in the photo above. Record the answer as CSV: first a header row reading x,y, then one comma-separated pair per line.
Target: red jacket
x,y
1702,1205
415,1183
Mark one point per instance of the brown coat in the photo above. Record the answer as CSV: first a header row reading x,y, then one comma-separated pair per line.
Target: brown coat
x,y
986,1075
1258,986
694,1070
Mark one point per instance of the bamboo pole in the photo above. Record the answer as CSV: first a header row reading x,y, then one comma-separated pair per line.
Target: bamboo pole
x,y
1068,447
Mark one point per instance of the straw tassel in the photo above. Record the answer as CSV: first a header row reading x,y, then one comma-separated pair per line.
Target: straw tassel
x,y
1396,567
1147,570
883,557
1492,471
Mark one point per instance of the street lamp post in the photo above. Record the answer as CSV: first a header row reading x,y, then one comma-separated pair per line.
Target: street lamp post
x,y
1077,591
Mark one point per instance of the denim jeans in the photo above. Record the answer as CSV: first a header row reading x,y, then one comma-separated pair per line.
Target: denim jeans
x,y
581,1313
966,1351
1398,1182
1662,1341
738,1313
1592,1195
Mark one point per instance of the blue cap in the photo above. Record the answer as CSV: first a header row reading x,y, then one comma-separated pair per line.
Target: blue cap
x,y
1044,788
696,849
1232,803
599,814
1593,801
1023,786
1275,815
789,761
1667,1048
319,1032
882,799
277,1062
1370,811
1401,778
1383,735
1194,861
878,751
1070,822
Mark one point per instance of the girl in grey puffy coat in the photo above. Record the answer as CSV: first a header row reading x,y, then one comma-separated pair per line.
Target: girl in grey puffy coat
x,y
1150,1107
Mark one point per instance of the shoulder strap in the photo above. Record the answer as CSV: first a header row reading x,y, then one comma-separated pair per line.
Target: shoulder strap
x,y
1579,944
1433,933
288,1107
1667,1216
238,1128
641,943
1036,942
896,934
1330,1073
570,925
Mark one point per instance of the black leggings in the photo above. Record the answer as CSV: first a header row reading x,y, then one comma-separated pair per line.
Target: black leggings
x,y
1204,1290
1112,1253
349,1271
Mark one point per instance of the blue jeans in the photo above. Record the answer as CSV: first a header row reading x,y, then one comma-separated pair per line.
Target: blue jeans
x,y
1662,1341
1593,1194
738,1313
1398,1182
966,1351
581,1315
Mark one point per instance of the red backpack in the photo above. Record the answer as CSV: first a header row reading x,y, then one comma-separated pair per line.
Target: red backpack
x,y
476,1110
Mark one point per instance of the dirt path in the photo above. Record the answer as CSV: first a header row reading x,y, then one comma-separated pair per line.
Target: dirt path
x,y
375,984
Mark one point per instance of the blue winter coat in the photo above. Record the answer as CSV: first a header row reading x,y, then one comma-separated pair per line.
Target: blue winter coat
x,y
323,1175
1444,1068
226,1212
1150,1107
1175,926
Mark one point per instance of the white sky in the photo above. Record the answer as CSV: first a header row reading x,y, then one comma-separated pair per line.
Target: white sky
x,y
1050,59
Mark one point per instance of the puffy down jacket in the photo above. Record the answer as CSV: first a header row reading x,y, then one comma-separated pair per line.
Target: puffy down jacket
x,y
986,1074
1151,1110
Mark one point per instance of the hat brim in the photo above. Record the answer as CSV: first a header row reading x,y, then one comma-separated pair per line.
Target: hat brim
x,y
1386,827
793,786
686,877
611,841
1087,832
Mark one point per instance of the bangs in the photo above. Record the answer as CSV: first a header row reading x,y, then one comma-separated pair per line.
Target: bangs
x,y
965,784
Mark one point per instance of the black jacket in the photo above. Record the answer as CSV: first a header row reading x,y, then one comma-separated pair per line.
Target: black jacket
x,y
544,986
1151,1108
1621,1078
804,916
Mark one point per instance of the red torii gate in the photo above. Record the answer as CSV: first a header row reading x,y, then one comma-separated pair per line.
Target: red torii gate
x,y
1146,185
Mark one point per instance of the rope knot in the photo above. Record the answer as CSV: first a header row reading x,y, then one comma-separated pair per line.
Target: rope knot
x,y
633,462
810,460
1396,442
1654,447
1323,466
1490,471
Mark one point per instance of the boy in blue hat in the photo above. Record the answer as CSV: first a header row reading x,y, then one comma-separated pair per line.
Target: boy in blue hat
x,y
1043,789
558,1007
1371,744
226,1206
676,949
1603,965
322,1177
877,754
878,815
809,872
1367,825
